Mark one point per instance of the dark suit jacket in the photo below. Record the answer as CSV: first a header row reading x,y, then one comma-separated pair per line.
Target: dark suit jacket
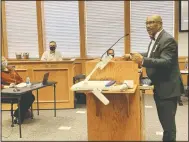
x,y
162,67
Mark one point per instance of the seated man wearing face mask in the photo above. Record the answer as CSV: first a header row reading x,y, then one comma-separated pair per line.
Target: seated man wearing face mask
x,y
52,55
9,77
110,52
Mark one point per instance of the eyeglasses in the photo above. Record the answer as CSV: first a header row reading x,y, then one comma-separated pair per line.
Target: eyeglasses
x,y
151,22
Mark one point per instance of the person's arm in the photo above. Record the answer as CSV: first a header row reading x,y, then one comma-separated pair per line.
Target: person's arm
x,y
144,54
11,77
167,57
43,57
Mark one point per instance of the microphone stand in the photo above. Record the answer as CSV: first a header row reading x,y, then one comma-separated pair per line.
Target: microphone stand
x,y
113,45
103,62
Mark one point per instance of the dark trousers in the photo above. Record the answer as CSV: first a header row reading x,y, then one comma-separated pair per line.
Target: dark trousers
x,y
179,99
25,103
166,109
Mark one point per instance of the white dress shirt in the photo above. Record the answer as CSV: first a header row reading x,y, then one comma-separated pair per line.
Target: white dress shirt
x,y
153,42
48,56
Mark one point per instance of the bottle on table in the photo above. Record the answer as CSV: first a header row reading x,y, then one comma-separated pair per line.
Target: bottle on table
x,y
28,83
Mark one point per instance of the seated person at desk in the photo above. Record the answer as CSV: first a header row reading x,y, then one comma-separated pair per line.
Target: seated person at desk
x,y
110,52
9,77
52,54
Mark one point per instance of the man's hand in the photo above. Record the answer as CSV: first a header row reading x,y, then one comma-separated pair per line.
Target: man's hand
x,y
137,57
127,57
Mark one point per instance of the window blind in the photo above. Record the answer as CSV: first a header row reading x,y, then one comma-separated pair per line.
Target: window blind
x,y
22,35
62,25
104,26
139,10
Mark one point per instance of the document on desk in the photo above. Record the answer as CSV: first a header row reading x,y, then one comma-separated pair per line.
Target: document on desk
x,y
20,85
90,85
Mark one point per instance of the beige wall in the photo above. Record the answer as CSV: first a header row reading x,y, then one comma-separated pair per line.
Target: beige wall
x,y
183,43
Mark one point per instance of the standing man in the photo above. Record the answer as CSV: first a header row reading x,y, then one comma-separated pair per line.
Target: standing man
x,y
161,63
52,55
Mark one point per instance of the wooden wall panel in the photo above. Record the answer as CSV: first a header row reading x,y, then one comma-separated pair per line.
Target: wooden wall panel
x,y
61,76
127,26
39,10
176,20
23,73
4,30
116,73
78,68
82,28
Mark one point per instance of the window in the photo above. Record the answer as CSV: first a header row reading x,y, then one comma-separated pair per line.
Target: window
x,y
139,11
104,26
62,25
21,20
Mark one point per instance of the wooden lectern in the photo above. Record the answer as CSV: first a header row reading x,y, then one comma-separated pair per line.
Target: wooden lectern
x,y
122,119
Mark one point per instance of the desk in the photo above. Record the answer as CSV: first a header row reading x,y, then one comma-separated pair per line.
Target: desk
x,y
10,93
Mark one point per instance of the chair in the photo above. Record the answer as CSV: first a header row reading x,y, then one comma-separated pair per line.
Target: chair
x,y
13,101
78,96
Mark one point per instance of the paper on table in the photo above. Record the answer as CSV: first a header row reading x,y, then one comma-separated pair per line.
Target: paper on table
x,y
21,84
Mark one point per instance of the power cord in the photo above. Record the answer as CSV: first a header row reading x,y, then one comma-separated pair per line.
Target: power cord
x,y
9,134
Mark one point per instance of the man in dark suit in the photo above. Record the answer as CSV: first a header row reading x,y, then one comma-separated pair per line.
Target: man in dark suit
x,y
161,63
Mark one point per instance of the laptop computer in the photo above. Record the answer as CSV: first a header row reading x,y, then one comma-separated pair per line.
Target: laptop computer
x,y
45,78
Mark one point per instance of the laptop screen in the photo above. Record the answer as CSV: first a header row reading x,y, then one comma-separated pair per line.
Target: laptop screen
x,y
45,78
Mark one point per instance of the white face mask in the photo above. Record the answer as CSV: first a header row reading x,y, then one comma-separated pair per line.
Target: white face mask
x,y
4,64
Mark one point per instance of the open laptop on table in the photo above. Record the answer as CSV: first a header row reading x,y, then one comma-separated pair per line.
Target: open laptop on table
x,y
45,78
43,82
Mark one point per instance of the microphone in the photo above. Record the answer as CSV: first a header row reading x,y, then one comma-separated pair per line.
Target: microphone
x,y
113,45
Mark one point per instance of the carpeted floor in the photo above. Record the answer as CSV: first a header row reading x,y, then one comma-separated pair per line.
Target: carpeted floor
x,y
71,124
